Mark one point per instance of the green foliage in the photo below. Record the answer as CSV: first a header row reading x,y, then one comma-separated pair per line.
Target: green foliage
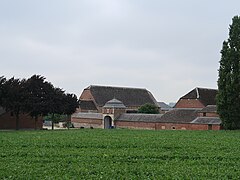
x,y
36,97
119,154
228,99
13,97
148,109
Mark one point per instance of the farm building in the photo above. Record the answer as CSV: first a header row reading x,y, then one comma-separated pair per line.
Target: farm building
x,y
8,121
114,113
198,98
93,98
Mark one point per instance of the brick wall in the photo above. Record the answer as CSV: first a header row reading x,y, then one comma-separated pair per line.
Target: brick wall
x,y
87,123
189,103
25,122
96,123
134,125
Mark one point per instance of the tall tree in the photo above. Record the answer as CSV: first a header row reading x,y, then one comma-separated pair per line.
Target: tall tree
x,y
228,98
13,97
36,92
71,103
2,81
55,103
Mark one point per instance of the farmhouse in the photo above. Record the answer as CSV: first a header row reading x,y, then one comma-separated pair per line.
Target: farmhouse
x,y
196,111
8,121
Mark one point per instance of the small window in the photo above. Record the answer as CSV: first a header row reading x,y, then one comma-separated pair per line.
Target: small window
x,y
173,127
204,114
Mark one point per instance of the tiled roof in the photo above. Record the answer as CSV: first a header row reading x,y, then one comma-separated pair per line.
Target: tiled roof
x,y
88,115
206,120
164,106
114,103
180,115
206,96
87,105
128,96
140,117
209,108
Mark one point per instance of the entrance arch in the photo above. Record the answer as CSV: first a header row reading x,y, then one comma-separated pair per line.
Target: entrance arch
x,y
107,122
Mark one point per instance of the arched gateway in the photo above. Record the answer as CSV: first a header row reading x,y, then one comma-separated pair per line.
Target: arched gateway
x,y
111,110
107,122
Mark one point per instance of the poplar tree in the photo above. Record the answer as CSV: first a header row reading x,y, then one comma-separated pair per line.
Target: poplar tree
x,y
228,99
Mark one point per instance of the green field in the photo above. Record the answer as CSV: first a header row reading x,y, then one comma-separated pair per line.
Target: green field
x,y
119,154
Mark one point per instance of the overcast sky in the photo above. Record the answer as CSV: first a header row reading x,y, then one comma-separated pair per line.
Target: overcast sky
x,y
166,46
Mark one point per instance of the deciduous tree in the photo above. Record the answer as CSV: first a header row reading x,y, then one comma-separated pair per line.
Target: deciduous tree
x,y
148,109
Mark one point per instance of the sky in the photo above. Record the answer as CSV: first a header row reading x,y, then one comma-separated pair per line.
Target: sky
x,y
168,47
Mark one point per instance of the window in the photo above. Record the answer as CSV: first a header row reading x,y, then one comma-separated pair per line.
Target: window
x,y
173,127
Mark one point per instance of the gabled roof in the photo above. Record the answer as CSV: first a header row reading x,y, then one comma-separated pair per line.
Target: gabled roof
x,y
128,96
87,105
164,106
206,96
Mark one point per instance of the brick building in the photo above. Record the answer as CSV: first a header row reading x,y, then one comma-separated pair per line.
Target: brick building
x,y
93,98
8,121
197,98
195,111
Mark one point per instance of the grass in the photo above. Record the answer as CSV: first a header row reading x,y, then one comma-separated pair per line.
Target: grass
x,y
119,154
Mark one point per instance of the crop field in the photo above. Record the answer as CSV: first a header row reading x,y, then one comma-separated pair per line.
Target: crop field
x,y
119,154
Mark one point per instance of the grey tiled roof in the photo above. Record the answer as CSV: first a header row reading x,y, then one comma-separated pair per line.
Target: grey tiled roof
x,y
140,117
207,120
206,96
209,108
180,115
87,105
128,96
114,103
164,106
88,115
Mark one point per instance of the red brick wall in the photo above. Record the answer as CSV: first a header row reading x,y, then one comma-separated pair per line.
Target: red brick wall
x,y
86,95
134,125
25,122
189,103
96,123
86,123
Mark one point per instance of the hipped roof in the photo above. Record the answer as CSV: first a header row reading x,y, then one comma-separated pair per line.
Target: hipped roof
x,y
128,96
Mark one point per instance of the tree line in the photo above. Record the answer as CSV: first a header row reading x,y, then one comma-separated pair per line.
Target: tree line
x,y
35,96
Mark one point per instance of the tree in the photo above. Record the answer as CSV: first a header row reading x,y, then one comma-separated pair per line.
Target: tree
x,y
228,98
55,103
71,103
148,109
13,97
2,81
37,97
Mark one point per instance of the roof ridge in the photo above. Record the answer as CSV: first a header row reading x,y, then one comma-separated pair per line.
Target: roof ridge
x,y
206,88
122,87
